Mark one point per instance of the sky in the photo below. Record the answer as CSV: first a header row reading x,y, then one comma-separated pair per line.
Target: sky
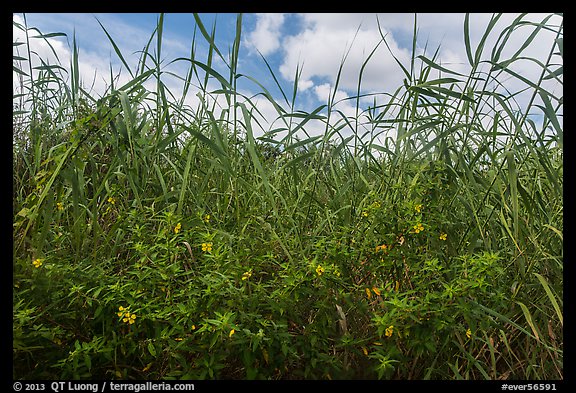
x,y
315,44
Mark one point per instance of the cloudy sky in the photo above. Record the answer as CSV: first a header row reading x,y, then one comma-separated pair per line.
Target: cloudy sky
x,y
315,44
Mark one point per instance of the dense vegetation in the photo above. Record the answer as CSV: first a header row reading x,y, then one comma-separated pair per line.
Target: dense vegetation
x,y
153,240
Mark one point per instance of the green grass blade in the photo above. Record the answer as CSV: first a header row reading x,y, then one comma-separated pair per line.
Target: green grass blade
x,y
116,49
551,297
530,320
184,187
467,39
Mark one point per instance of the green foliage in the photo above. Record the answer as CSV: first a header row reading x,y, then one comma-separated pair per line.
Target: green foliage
x,y
155,241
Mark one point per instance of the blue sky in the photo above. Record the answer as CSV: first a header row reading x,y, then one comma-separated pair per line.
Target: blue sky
x,y
315,43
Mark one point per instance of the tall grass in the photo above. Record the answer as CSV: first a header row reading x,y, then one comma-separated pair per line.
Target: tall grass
x,y
434,254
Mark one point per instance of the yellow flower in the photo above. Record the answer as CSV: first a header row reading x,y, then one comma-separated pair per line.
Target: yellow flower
x,y
37,263
247,275
376,291
206,218
389,331
111,200
468,333
418,228
383,247
59,206
178,339
376,205
207,247
129,318
121,309
443,236
418,208
319,270
368,293
193,327
364,213
231,333
177,228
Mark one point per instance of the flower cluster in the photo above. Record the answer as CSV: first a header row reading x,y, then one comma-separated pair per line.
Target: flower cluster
x,y
383,247
418,208
37,262
112,203
418,228
177,228
126,316
443,236
59,206
206,247
319,270
247,275
206,218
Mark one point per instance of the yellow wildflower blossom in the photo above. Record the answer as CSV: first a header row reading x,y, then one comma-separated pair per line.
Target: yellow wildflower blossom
x,y
207,247
368,293
111,200
177,228
383,247
206,218
231,333
37,263
121,311
129,318
443,236
468,333
319,270
418,228
389,331
59,206
418,207
247,275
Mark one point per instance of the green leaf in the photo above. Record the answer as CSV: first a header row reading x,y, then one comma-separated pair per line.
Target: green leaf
x,y
151,349
551,297
530,320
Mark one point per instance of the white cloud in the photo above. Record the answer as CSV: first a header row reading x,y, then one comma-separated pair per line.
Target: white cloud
x,y
327,40
93,65
266,35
